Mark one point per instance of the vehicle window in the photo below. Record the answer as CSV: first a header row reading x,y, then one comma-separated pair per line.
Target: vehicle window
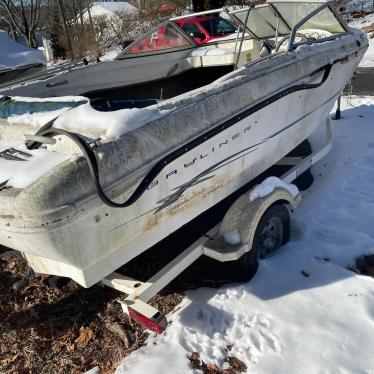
x,y
218,26
191,28
165,37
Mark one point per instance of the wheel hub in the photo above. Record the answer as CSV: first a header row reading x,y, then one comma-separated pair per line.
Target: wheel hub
x,y
271,236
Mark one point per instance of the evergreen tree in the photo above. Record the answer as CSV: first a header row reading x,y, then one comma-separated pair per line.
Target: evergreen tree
x,y
201,5
58,49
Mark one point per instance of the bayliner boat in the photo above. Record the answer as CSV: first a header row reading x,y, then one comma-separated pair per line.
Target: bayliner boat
x,y
96,187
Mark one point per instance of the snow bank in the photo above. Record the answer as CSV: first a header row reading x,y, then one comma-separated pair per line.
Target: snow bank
x,y
107,125
14,55
21,174
269,185
303,312
368,60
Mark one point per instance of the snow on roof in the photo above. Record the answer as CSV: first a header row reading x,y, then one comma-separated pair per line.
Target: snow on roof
x,y
109,8
14,55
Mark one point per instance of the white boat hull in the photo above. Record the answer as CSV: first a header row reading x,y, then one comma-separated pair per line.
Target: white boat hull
x,y
211,142
97,241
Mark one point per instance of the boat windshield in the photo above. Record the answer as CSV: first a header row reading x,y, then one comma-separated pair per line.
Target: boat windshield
x,y
262,21
163,38
315,20
325,19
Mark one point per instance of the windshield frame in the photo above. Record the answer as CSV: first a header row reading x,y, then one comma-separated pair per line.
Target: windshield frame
x,y
126,53
293,45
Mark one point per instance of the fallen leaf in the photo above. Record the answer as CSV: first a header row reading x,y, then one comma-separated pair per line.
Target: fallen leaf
x,y
8,360
228,371
194,358
70,347
237,364
85,336
211,369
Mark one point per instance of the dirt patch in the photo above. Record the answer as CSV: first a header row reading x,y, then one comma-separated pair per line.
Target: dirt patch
x,y
68,330
359,14
365,265
231,365
369,28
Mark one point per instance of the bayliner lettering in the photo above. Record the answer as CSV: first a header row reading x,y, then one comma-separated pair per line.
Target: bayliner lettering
x,y
196,159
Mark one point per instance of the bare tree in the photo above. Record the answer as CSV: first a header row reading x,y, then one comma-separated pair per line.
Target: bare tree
x,y
65,27
123,26
23,17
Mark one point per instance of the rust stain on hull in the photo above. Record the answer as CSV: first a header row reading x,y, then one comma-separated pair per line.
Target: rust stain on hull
x,y
178,206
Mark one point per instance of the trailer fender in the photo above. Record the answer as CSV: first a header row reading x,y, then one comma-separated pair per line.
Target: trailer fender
x,y
244,215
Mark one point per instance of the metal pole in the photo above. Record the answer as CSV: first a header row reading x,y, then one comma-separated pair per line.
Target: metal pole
x,y
241,41
338,111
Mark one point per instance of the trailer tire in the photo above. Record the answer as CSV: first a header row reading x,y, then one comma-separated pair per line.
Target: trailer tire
x,y
275,220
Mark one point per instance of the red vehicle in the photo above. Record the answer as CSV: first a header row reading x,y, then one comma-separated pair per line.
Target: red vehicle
x,y
202,29
205,29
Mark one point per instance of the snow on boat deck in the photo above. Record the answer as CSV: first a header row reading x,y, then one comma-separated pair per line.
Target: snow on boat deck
x,y
284,321
21,174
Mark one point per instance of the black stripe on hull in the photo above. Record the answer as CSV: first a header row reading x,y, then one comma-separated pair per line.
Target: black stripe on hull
x,y
203,176
151,176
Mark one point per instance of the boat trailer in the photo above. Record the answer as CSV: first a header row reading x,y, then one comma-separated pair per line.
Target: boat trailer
x,y
139,293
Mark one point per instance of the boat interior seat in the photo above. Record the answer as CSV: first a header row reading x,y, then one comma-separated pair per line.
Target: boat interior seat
x,y
266,49
225,54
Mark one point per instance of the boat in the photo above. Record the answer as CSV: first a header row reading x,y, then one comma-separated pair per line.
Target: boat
x,y
169,56
19,62
100,181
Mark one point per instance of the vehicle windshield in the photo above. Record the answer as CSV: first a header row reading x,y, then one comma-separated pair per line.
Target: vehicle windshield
x,y
218,26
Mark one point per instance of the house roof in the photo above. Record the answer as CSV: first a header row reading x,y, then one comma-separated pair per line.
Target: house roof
x,y
109,8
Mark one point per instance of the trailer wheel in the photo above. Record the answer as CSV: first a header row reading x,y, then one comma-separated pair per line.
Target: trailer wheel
x,y
272,232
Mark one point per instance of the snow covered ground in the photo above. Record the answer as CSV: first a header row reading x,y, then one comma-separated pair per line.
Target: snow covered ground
x,y
359,6
368,60
303,312
368,20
